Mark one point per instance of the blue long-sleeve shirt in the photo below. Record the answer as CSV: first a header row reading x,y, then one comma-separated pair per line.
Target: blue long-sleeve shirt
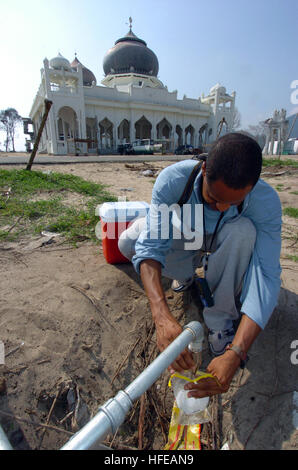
x,y
262,206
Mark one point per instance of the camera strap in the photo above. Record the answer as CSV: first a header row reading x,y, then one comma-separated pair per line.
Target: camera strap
x,y
185,197
207,250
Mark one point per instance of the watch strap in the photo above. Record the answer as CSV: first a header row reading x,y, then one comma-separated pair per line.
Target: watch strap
x,y
242,355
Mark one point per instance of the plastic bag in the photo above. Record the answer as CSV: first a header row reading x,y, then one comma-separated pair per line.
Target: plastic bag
x,y
188,405
191,410
182,437
185,427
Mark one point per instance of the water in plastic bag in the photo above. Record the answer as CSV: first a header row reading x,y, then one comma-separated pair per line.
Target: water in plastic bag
x,y
191,410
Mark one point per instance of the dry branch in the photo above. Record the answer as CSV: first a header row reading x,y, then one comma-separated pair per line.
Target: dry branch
x,y
141,421
151,398
27,421
13,226
124,360
267,173
95,302
51,412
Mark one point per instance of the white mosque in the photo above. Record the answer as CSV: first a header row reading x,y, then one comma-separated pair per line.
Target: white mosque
x,y
131,103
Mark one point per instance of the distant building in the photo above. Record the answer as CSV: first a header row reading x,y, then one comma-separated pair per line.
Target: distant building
x,y
281,134
293,126
291,146
131,103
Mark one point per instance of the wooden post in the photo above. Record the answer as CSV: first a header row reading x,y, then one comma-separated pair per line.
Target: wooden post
x,y
221,122
48,105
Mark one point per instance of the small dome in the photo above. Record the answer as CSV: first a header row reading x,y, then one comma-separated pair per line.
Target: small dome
x,y
219,87
88,76
130,54
60,63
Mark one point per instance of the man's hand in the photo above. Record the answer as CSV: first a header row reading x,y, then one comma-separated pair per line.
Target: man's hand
x,y
167,329
223,368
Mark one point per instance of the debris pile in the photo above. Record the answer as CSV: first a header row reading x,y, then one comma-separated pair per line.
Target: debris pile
x,y
144,169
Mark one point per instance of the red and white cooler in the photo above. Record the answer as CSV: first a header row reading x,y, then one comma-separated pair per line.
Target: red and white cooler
x,y
115,218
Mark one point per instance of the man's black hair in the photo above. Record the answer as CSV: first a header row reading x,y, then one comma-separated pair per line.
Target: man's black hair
x,y
235,159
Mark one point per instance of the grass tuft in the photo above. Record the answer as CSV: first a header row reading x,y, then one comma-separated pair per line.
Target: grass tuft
x,y
281,163
291,212
23,212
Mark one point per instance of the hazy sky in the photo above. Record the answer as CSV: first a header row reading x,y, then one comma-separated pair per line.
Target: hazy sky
x,y
248,46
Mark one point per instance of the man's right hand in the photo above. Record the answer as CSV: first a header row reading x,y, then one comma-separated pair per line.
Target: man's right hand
x,y
167,329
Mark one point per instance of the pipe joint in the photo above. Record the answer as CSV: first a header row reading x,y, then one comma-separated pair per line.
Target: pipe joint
x,y
195,328
116,409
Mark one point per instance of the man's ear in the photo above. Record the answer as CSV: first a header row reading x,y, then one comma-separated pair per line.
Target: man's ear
x,y
204,169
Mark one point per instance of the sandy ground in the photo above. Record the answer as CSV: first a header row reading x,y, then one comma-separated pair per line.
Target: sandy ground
x,y
76,330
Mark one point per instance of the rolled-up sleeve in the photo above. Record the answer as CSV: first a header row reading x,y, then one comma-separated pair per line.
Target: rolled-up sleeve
x,y
262,282
153,242
150,244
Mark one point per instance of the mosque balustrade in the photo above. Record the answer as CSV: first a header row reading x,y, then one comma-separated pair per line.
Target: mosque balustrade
x,y
63,90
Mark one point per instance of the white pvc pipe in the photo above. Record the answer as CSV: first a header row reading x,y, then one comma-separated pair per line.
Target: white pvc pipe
x,y
4,442
112,414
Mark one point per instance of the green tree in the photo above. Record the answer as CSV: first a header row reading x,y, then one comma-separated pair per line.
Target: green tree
x,y
9,121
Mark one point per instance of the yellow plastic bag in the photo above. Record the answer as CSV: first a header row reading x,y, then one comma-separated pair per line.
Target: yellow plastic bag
x,y
199,376
183,437
185,430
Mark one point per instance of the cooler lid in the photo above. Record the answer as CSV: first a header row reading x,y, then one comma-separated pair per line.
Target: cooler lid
x,y
122,211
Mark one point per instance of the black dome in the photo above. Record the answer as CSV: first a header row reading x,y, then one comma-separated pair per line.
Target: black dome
x,y
88,76
130,54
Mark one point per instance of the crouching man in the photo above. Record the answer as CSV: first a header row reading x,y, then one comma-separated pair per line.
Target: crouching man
x,y
235,221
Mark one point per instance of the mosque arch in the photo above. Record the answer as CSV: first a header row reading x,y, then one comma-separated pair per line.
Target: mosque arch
x,y
67,123
164,129
203,135
106,129
91,133
179,135
143,128
124,131
189,135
